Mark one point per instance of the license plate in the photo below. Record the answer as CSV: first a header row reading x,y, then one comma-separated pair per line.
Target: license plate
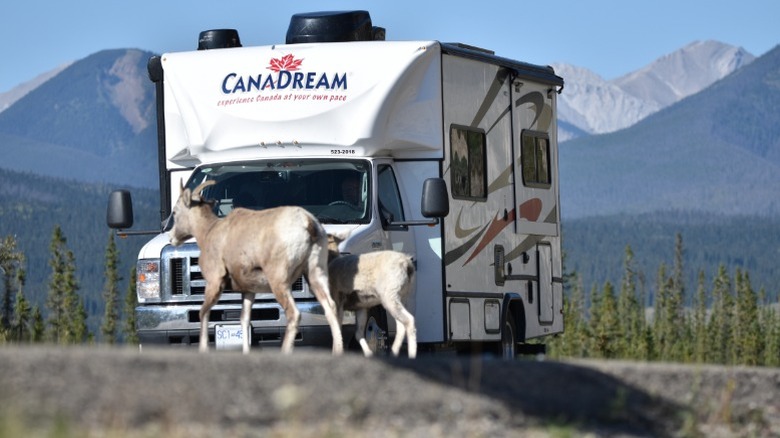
x,y
230,336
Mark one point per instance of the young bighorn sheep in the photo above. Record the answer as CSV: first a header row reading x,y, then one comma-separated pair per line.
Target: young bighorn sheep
x,y
361,281
256,251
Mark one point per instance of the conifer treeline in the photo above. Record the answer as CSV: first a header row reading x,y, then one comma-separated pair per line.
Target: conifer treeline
x,y
64,319
725,322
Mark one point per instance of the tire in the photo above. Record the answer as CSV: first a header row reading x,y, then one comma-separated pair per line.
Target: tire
x,y
509,338
376,332
507,348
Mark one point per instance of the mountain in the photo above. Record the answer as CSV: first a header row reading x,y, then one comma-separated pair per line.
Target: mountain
x,y
716,151
592,105
9,97
92,122
684,72
596,106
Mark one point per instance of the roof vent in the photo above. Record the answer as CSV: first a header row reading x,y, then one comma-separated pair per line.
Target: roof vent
x,y
218,39
331,27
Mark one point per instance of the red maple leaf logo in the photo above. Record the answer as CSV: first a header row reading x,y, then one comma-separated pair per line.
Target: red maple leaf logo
x,y
286,62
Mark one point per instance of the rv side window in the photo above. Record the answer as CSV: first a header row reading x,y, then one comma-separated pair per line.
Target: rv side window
x,y
469,164
536,159
390,207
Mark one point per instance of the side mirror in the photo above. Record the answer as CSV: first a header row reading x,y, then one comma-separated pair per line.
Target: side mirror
x,y
435,199
119,214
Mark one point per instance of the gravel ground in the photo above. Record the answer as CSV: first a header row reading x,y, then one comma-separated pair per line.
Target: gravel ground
x,y
92,391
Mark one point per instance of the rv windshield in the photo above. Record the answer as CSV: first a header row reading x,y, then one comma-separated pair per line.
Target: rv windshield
x,y
334,191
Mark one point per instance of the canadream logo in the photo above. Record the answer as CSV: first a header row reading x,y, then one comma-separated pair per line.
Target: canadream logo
x,y
284,75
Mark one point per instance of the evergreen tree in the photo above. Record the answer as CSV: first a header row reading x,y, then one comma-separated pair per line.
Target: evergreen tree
x,y
675,308
604,324
700,352
77,323
67,316
772,345
720,324
55,301
747,336
573,341
38,332
660,306
11,261
79,330
22,319
131,336
630,312
111,293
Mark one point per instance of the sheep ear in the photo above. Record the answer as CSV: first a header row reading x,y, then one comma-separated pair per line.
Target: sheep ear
x,y
186,197
337,238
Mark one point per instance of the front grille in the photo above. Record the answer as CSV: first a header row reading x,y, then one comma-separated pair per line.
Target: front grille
x,y
184,279
177,276
235,315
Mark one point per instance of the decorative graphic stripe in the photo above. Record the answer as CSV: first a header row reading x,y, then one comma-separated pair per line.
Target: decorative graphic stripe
x,y
460,232
537,99
458,252
529,210
490,96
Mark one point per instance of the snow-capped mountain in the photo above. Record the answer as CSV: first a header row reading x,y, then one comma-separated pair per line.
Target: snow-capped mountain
x,y
597,106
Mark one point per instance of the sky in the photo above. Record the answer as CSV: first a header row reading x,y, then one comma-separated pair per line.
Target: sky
x,y
608,37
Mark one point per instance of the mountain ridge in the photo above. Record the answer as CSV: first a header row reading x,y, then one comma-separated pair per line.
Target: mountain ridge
x,y
100,110
9,97
714,151
599,106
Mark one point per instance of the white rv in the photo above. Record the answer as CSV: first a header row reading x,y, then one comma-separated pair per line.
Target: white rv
x,y
365,133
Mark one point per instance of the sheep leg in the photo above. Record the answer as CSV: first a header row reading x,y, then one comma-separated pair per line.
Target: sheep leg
x,y
404,322
399,338
319,285
361,319
211,296
203,346
340,314
407,320
284,297
411,336
246,314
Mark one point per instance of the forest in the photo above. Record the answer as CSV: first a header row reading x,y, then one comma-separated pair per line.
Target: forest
x,y
725,321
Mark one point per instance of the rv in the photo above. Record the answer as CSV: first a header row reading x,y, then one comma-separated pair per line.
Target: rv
x,y
444,151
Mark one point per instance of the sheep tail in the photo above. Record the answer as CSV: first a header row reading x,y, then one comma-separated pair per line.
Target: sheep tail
x,y
315,230
409,267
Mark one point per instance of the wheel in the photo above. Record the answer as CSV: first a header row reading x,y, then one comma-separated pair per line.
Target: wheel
x,y
509,338
376,331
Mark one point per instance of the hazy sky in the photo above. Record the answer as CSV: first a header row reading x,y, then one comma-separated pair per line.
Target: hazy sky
x,y
609,37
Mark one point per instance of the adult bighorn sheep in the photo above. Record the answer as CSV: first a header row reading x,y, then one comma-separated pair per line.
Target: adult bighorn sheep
x,y
256,251
361,281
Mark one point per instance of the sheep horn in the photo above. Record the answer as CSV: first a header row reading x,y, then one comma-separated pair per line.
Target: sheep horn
x,y
196,191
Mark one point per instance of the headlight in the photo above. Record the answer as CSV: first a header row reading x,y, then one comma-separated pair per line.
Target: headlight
x,y
148,280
